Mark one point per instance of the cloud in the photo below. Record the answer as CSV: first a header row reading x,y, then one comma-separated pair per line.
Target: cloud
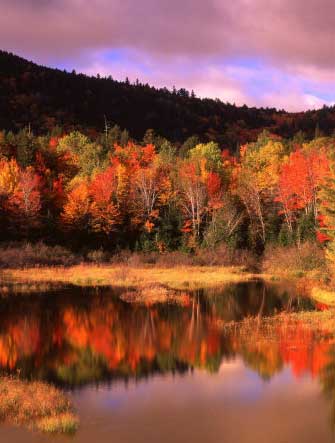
x,y
200,43
240,81
290,31
207,80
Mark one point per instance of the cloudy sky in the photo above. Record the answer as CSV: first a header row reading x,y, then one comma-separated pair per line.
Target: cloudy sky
x,y
259,52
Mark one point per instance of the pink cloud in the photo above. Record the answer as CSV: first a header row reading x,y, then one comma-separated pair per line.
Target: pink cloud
x,y
189,43
291,31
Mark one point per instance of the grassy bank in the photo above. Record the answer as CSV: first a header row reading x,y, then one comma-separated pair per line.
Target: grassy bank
x,y
304,264
36,405
183,277
40,268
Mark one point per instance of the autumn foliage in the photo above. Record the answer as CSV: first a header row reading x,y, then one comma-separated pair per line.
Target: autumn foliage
x,y
88,191
301,178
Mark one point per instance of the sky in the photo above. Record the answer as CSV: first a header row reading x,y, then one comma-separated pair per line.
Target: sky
x,y
276,53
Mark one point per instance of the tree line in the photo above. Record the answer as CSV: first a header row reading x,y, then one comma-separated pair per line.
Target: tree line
x,y
112,192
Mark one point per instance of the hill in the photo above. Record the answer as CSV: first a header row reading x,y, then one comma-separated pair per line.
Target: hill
x,y
43,97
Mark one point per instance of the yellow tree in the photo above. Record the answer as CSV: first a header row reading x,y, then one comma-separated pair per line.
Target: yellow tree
x,y
257,177
9,181
9,177
192,178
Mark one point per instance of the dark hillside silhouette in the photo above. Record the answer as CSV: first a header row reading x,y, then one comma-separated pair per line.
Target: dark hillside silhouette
x,y
43,98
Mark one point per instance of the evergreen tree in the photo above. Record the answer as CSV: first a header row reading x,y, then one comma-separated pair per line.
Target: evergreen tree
x,y
326,232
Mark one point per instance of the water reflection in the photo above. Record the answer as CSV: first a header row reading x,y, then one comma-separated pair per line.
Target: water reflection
x,y
83,336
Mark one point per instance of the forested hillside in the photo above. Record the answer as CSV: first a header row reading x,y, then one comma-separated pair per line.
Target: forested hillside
x,y
44,98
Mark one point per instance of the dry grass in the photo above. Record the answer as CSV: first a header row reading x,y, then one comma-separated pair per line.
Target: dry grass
x,y
155,294
305,265
35,405
65,423
183,277
267,327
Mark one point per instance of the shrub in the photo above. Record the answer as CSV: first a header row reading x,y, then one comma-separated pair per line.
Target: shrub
x,y
39,254
226,256
306,257
97,256
220,256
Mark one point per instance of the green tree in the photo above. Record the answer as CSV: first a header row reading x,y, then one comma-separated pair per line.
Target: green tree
x,y
90,156
26,146
209,151
327,215
189,144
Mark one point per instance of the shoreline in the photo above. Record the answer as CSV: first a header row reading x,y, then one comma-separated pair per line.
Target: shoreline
x,y
149,278
125,276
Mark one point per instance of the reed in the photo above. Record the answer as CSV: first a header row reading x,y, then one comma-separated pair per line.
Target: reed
x,y
36,405
182,277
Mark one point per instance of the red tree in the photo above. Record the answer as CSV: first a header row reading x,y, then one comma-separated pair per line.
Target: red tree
x,y
299,182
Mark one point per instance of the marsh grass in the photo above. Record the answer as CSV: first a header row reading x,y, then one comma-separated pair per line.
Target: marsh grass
x,y
267,327
156,294
65,423
183,277
20,287
36,405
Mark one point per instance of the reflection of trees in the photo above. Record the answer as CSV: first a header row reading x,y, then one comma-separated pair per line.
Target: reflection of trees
x,y
84,366
235,302
194,327
99,338
265,363
108,338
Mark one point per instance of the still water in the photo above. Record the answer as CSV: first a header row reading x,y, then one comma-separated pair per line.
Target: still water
x,y
174,373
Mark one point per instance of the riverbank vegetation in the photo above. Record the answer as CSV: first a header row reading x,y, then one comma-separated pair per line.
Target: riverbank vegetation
x,y
149,278
36,405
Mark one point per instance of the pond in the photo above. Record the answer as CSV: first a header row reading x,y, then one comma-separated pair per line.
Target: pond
x,y
174,372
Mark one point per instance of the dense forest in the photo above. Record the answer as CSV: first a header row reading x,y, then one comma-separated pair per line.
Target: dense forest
x,y
42,98
64,181
112,193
